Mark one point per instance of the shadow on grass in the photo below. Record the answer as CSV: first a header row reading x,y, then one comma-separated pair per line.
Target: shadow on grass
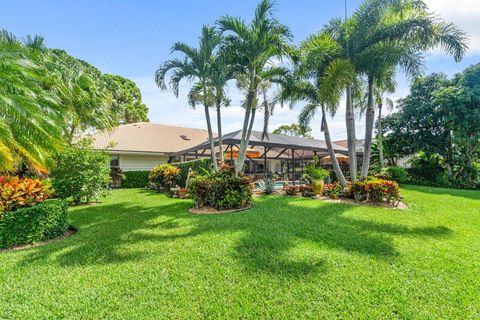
x,y
271,234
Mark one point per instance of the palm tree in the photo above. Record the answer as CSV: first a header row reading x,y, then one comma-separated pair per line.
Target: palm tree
x,y
30,114
195,66
251,49
390,33
340,31
320,77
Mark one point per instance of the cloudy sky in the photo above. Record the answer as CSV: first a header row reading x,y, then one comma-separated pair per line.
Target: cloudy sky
x,y
132,38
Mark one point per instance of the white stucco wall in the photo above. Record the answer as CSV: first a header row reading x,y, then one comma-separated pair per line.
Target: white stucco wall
x,y
140,162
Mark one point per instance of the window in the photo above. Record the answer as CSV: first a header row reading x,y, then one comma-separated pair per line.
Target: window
x,y
114,161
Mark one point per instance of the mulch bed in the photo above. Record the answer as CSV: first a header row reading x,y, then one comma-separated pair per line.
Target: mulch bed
x,y
211,210
70,231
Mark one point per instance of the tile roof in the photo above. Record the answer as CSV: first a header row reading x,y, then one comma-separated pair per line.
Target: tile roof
x,y
148,137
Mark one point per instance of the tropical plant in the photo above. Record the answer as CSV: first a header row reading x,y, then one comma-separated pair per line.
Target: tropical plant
x,y
390,33
251,47
320,76
196,66
18,192
30,114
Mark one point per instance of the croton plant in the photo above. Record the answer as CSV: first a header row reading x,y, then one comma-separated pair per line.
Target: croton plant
x,y
18,192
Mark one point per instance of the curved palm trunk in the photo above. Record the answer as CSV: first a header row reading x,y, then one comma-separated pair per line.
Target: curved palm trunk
x,y
210,138
369,122
351,135
331,152
219,128
380,135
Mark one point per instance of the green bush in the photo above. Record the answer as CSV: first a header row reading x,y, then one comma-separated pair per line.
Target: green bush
x,y
200,166
81,173
135,179
43,221
312,173
394,173
164,176
221,190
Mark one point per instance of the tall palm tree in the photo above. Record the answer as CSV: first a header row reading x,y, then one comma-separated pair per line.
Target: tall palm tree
x,y
30,114
390,33
339,30
196,66
320,78
251,48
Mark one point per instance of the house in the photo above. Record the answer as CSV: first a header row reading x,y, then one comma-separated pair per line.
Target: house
x,y
140,146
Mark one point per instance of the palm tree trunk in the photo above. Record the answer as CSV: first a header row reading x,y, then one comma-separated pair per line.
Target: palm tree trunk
x,y
331,152
219,128
380,135
369,122
210,138
266,115
247,122
351,135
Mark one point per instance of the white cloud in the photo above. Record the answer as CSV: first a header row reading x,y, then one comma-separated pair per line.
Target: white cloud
x,y
165,108
465,14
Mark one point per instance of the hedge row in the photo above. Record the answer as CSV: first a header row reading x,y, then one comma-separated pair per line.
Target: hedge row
x,y
135,179
43,221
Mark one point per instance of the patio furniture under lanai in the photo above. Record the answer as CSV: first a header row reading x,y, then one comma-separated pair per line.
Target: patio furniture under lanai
x,y
282,155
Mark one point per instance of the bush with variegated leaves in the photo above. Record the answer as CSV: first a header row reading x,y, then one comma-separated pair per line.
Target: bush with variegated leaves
x,y
18,192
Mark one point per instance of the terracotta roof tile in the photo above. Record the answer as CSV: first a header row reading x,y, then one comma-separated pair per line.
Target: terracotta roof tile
x,y
148,137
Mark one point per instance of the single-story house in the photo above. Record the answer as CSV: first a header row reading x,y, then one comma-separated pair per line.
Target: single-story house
x,y
140,146
143,145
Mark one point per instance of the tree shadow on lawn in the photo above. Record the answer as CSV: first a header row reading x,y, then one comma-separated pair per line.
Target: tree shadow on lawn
x,y
274,234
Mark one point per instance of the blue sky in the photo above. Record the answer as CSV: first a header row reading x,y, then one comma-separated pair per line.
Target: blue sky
x,y
131,38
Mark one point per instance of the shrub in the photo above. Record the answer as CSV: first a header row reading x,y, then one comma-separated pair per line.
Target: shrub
x,y
291,190
81,173
394,173
165,176
41,222
312,173
333,190
135,179
17,192
375,191
221,190
200,166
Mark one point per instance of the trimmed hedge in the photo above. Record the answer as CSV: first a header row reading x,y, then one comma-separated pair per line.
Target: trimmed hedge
x,y
46,220
135,179
200,166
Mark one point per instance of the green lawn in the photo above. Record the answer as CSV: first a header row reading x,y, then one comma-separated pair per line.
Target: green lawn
x,y
140,255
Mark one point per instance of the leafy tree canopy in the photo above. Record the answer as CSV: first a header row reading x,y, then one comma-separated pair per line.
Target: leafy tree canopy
x,y
296,130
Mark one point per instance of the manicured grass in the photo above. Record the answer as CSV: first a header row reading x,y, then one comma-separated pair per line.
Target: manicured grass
x,y
141,255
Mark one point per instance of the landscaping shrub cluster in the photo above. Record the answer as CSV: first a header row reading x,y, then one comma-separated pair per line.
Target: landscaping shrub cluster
x,y
43,221
374,191
221,190
135,179
17,192
164,176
